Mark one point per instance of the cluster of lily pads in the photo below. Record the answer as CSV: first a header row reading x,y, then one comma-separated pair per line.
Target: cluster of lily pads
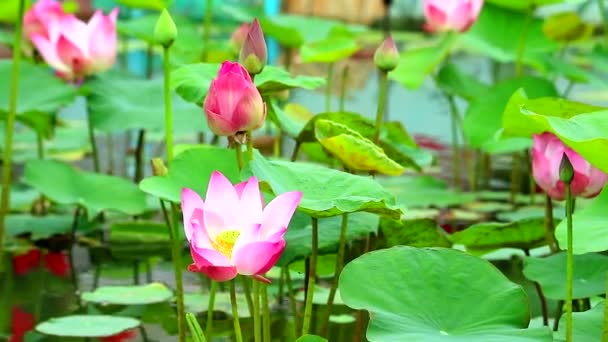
x,y
277,222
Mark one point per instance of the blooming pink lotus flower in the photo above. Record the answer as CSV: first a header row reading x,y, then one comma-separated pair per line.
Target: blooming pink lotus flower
x,y
39,17
76,49
232,232
547,153
451,15
233,103
238,36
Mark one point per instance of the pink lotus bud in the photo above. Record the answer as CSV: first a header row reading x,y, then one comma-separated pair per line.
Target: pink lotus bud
x,y
38,18
238,36
451,15
76,49
254,54
223,244
386,56
547,153
233,103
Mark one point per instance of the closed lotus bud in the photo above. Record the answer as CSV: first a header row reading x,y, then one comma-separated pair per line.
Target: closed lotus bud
x,y
554,163
165,31
386,56
451,15
233,103
254,54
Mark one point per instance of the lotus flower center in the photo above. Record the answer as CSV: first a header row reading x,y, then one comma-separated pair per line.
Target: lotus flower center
x,y
224,242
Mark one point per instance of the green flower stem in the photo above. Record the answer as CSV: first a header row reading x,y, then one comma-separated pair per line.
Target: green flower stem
x,y
549,225
247,290
207,30
312,274
541,297
343,87
93,142
239,155
602,8
605,329
172,227
7,166
257,328
139,156
456,155
266,314
276,146
515,176
249,146
110,142
235,312
296,151
168,112
338,270
195,328
292,300
210,306
328,85
381,105
569,264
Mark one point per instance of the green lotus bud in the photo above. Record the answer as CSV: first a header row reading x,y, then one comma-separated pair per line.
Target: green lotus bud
x,y
165,31
386,56
254,54
566,171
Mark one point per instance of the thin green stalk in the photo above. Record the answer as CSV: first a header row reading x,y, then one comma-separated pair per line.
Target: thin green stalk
x,y
338,270
93,142
523,38
296,150
207,30
602,7
292,300
73,273
605,329
541,297
247,290
257,328
235,313
343,87
515,176
210,306
312,275
168,112
569,265
239,155
40,146
110,142
7,166
139,156
195,328
249,146
328,85
549,225
531,181
276,146
456,167
267,332
383,86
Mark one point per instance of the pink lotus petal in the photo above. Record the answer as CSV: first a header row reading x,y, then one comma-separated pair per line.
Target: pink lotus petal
x,y
221,199
279,211
102,41
257,257
48,52
190,201
217,273
250,204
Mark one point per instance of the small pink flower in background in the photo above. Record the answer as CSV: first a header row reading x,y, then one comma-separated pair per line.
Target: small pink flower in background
x,y
238,36
23,263
76,49
231,232
451,15
233,103
122,337
38,18
547,153
22,322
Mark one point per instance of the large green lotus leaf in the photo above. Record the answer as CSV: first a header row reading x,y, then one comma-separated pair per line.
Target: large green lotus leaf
x,y
40,227
589,227
586,326
483,118
39,95
523,4
355,151
311,338
192,81
299,234
192,169
114,106
582,127
423,191
550,272
328,50
454,81
9,11
524,234
530,212
415,294
416,64
500,145
87,326
497,31
326,192
146,4
134,240
416,233
64,184
129,295
560,67
292,118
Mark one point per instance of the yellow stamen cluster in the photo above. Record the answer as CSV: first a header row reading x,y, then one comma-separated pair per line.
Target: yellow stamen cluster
x,y
224,242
